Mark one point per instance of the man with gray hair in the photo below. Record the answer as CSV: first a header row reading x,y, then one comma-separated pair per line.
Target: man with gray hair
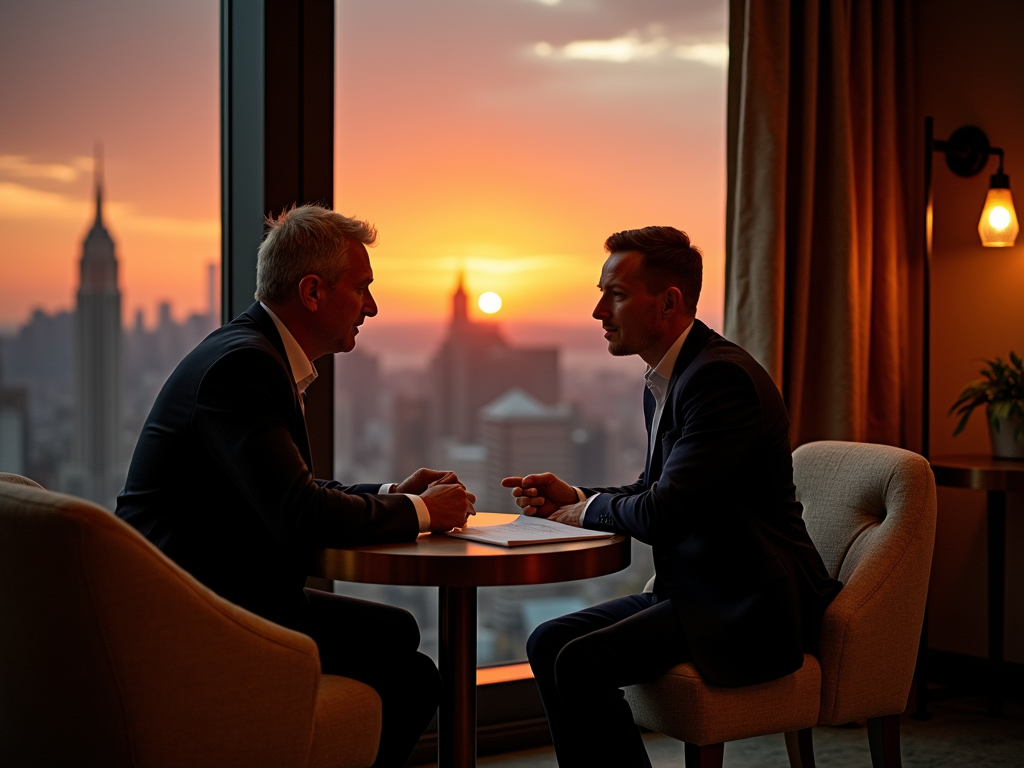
x,y
220,479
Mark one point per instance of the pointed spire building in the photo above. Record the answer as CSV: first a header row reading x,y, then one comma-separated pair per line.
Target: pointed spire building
x,y
97,472
474,365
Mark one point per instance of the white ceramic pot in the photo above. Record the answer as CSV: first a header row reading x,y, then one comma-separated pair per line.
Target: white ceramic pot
x,y
1005,444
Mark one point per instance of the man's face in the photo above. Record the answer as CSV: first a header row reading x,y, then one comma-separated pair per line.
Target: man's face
x,y
630,315
349,302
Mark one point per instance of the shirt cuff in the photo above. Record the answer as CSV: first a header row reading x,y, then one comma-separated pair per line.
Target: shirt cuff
x,y
586,506
422,513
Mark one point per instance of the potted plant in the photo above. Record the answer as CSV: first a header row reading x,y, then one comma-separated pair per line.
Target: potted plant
x,y
1002,390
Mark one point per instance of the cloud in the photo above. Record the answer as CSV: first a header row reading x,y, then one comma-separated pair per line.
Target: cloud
x,y
713,54
500,264
19,166
21,203
633,46
619,49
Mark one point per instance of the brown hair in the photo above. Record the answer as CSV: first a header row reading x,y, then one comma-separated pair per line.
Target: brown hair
x,y
668,259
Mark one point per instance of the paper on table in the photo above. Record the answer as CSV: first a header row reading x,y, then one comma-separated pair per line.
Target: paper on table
x,y
527,530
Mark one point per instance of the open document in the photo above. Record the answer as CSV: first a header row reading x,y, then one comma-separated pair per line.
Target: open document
x,y
527,530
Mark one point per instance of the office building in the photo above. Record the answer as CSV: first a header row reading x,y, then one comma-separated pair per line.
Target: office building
x,y
520,435
14,427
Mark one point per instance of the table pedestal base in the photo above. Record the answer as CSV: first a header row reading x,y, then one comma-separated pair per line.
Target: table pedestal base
x,y
456,717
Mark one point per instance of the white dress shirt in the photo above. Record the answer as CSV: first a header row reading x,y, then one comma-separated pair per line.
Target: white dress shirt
x,y
657,380
304,374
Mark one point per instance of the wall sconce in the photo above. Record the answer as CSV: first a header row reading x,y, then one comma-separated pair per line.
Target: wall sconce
x,y
967,152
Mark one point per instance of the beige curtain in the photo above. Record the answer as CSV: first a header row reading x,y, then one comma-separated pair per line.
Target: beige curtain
x,y
821,210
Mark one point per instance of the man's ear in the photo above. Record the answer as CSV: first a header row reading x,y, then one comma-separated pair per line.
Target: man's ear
x,y
673,300
309,291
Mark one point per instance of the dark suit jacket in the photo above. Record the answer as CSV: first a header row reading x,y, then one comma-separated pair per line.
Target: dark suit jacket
x,y
220,478
716,502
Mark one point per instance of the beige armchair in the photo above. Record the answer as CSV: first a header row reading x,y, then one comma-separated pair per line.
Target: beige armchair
x,y
870,510
111,655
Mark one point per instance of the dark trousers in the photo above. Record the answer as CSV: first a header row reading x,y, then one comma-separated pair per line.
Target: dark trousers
x,y
580,661
377,645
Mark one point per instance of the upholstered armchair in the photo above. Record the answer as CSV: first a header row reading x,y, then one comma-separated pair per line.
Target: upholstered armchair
x,y
870,510
111,655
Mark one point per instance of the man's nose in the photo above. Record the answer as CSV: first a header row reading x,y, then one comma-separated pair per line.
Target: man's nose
x,y
370,307
600,311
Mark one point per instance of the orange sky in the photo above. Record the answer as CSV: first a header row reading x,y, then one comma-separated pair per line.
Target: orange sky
x,y
507,138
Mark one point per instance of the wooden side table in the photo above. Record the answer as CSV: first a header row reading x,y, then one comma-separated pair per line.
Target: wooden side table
x,y
996,477
458,567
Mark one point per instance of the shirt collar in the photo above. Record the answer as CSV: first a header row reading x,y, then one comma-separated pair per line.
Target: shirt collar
x,y
302,370
663,370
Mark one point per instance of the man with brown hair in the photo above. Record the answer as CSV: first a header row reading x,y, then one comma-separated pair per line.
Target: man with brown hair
x,y
739,588
221,482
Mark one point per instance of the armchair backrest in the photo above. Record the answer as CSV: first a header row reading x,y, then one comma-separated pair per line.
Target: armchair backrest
x,y
110,654
870,510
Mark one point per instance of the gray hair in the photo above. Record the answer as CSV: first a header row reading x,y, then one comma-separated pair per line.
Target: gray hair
x,y
305,240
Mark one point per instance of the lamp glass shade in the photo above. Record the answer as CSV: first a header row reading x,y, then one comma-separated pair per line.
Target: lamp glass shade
x,y
998,227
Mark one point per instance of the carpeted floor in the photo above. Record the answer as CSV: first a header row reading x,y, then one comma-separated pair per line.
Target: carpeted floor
x,y
959,733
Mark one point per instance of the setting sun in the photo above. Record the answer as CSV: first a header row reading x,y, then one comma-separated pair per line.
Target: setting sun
x,y
489,302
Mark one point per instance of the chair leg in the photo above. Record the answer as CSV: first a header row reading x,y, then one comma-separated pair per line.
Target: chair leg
x,y
709,756
800,748
884,740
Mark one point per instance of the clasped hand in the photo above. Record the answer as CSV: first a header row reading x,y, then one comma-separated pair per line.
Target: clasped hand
x,y
545,495
447,500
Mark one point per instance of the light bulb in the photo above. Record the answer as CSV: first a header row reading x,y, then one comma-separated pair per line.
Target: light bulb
x,y
999,218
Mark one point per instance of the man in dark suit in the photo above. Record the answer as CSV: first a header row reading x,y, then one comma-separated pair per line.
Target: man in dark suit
x,y
220,480
739,588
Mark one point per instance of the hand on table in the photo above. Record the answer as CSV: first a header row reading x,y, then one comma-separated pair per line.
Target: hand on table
x,y
569,515
449,504
541,495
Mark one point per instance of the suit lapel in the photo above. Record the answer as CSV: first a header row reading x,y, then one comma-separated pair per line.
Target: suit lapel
x,y
297,426
695,342
649,406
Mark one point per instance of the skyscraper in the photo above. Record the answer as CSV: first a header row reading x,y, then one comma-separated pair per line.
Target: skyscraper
x,y
522,435
474,365
97,470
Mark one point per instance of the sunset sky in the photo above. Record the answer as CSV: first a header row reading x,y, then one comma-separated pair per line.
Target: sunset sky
x,y
505,138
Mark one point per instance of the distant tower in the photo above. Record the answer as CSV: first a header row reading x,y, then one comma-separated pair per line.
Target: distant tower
x,y
211,293
98,472
474,365
460,313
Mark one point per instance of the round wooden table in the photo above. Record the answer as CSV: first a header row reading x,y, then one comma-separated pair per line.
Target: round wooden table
x,y
457,567
996,477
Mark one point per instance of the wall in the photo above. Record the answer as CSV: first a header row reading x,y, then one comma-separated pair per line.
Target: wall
x,y
970,70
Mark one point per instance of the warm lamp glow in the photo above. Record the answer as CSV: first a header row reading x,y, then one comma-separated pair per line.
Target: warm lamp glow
x,y
999,218
998,227
489,302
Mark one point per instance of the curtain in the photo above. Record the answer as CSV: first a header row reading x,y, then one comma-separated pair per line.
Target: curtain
x,y
821,210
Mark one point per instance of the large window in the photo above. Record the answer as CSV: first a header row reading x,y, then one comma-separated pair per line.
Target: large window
x,y
496,143
138,84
